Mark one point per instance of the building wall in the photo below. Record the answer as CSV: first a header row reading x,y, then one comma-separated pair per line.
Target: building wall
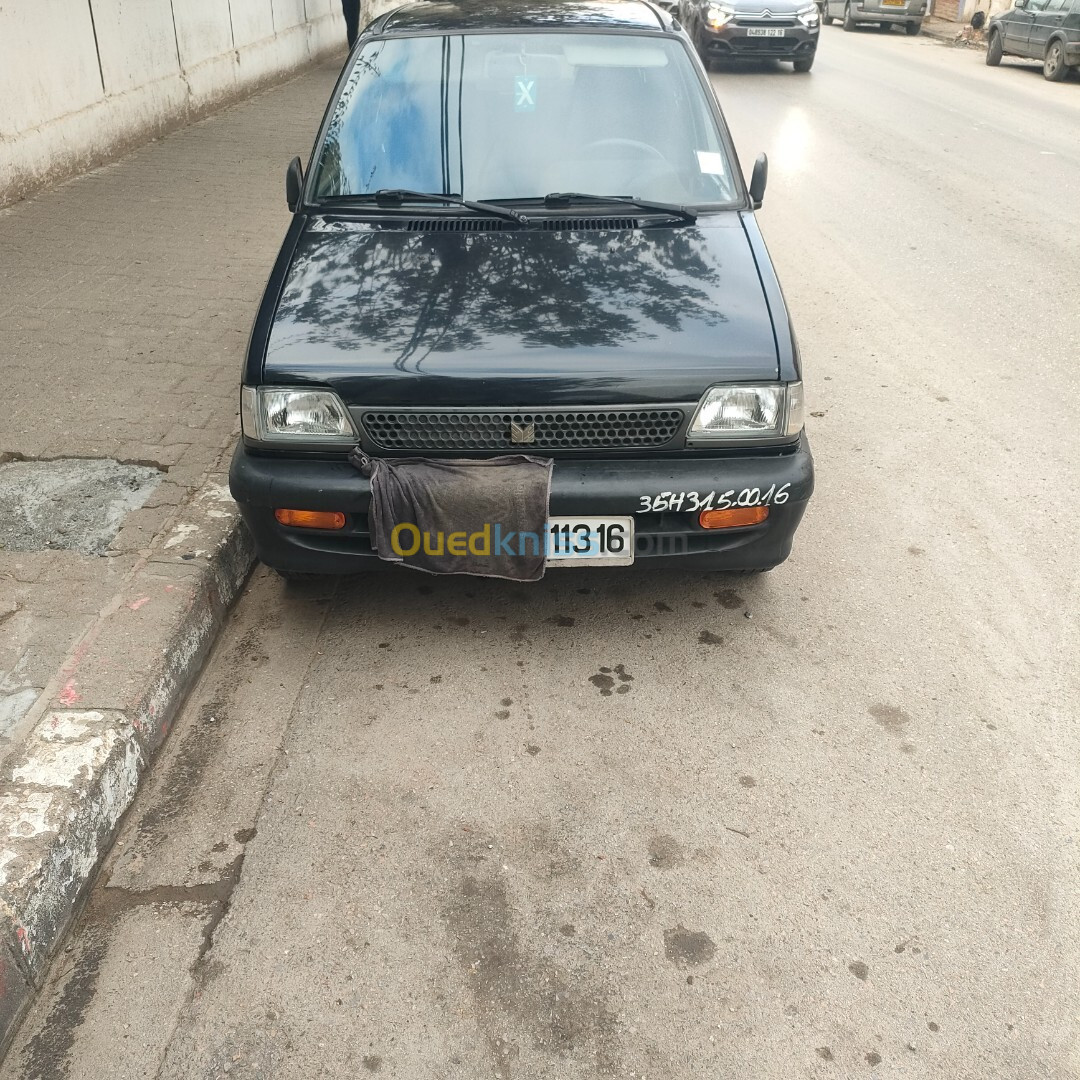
x,y
962,10
81,80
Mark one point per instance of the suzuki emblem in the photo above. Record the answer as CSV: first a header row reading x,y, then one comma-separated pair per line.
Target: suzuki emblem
x,y
522,433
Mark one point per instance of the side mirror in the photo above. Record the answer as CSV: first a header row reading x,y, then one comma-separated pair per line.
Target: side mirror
x,y
1020,4
758,179
294,183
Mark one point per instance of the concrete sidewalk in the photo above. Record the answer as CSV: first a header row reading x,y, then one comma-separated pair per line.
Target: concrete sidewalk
x,y
126,297
955,33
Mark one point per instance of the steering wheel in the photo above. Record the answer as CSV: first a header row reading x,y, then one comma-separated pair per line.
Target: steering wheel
x,y
631,144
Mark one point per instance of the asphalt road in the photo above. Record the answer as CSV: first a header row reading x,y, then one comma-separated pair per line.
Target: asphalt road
x,y
823,823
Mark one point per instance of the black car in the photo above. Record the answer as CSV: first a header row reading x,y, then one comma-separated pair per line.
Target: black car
x,y
753,29
1046,30
524,228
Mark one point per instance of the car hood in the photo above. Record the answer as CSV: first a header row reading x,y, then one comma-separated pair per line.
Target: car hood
x,y
388,316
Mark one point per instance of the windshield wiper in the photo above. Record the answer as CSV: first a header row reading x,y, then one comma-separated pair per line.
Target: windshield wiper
x,y
566,198
400,196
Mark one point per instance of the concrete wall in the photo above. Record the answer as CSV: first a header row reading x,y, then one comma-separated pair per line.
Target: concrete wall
x,y
81,80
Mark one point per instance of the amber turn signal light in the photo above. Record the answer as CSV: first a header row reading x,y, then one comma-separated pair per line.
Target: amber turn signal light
x,y
733,518
311,519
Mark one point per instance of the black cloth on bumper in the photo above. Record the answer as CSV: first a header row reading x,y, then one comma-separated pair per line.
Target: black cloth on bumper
x,y
483,517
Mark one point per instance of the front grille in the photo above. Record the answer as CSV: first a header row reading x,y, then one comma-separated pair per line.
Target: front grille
x,y
551,429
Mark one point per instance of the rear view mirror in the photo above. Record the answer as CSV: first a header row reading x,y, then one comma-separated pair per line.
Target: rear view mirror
x,y
294,183
758,179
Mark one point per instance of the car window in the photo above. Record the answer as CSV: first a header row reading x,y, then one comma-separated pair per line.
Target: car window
x,y
1056,5
1036,5
517,116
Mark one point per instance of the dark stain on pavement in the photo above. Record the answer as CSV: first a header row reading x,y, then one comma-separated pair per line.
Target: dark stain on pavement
x,y
604,680
372,1062
183,772
707,637
665,852
603,683
824,1053
688,947
522,998
747,781
859,970
46,1056
873,1058
729,598
562,620
890,717
661,606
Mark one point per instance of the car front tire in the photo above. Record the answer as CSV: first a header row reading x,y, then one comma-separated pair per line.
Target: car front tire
x,y
1054,67
994,50
849,22
912,28
803,66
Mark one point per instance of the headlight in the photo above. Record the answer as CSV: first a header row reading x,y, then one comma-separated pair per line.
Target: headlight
x,y
808,15
718,16
269,414
748,413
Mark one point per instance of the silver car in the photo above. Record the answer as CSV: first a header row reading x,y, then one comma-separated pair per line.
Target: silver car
x,y
908,13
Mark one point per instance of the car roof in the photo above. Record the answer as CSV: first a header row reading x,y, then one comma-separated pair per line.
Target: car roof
x,y
455,16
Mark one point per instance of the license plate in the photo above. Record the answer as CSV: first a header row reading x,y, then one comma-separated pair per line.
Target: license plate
x,y
893,3
590,541
765,31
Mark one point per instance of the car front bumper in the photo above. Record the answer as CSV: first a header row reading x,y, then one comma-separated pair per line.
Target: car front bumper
x,y
593,488
736,42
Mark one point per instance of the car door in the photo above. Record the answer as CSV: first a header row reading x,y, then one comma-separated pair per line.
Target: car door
x,y
1021,42
1015,27
1044,24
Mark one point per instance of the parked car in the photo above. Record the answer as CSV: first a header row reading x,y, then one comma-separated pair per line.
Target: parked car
x,y
524,229
753,29
1046,30
884,13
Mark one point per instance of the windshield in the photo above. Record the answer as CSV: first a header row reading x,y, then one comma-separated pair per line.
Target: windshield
x,y
519,116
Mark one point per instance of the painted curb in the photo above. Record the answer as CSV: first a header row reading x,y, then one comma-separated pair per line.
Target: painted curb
x,y
63,795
